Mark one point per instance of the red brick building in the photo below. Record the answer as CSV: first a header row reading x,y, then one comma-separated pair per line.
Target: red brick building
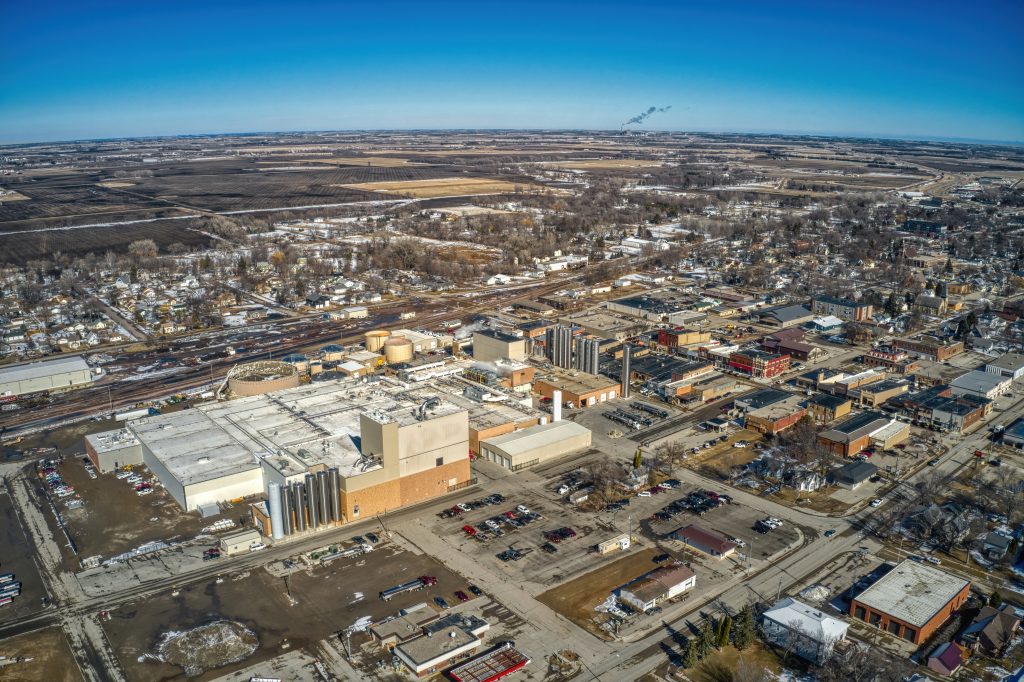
x,y
911,601
759,363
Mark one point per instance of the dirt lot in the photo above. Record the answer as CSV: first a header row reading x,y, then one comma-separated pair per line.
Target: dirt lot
x,y
114,519
16,556
577,598
51,658
326,600
441,187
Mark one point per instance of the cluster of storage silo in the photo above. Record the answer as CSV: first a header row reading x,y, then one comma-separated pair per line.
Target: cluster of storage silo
x,y
305,505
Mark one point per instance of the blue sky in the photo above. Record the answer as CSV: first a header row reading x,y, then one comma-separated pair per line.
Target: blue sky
x,y
899,68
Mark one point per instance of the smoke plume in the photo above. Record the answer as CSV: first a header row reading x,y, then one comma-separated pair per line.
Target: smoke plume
x,y
640,118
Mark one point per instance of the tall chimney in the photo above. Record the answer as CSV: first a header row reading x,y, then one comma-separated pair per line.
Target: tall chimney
x,y
627,357
556,406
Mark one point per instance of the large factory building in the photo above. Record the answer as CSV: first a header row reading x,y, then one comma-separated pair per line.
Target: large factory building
x,y
325,453
60,374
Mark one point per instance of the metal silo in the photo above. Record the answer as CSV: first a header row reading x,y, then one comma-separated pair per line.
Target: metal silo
x,y
324,497
276,515
299,498
335,486
287,510
313,501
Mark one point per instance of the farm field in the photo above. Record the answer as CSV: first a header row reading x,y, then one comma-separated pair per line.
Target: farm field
x,y
442,187
380,161
28,242
46,200
606,164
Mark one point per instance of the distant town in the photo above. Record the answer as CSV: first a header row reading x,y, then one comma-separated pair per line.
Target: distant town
x,y
476,405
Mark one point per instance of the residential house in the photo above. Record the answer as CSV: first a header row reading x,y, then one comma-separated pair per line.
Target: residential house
x,y
804,630
992,630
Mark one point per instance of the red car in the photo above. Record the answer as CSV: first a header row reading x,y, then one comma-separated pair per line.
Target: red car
x,y
462,596
470,530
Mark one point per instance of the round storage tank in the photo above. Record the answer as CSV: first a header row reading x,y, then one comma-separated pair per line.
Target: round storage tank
x,y
263,376
375,340
398,350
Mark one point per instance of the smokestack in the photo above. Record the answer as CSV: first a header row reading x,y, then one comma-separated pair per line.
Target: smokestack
x,y
627,357
556,410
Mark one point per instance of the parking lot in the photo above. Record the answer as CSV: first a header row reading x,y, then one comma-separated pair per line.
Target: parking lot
x,y
16,554
520,544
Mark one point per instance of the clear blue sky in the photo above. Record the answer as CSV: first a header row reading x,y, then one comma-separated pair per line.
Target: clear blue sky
x,y
74,70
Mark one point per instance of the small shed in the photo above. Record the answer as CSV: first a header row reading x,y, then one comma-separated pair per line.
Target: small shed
x,y
236,543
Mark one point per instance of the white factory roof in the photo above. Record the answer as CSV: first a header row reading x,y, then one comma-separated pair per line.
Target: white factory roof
x,y
913,592
812,622
108,441
536,437
192,447
39,370
297,428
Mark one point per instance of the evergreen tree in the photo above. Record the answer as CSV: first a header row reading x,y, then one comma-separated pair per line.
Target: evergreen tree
x,y
706,639
996,600
690,654
723,638
743,628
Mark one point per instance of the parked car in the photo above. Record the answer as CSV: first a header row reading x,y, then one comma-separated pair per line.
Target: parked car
x,y
461,596
877,502
373,538
441,602
476,591
660,558
830,532
522,509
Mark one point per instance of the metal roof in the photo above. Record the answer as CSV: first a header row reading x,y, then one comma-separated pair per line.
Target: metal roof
x,y
812,622
537,437
40,370
913,592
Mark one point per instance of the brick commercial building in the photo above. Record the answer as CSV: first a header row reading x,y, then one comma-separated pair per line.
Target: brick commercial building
x,y
843,308
706,541
854,434
892,360
676,338
582,390
930,347
777,417
911,601
758,363
827,408
875,394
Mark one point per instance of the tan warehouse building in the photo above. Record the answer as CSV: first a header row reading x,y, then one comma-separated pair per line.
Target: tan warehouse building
x,y
535,445
578,388
490,345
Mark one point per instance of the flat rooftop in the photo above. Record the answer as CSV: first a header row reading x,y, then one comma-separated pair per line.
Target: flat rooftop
x,y
293,429
110,441
579,384
498,335
40,370
536,437
193,447
424,649
912,592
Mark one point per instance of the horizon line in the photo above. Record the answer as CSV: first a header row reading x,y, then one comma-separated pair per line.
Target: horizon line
x,y
894,137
